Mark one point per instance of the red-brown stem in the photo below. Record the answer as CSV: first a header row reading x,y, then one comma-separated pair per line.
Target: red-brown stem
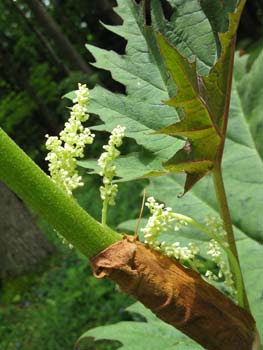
x,y
227,102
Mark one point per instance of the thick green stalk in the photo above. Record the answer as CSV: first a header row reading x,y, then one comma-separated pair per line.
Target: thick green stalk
x,y
38,191
104,211
226,218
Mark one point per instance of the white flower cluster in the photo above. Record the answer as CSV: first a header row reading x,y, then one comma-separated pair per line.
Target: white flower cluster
x,y
161,220
215,252
180,253
109,190
65,149
215,225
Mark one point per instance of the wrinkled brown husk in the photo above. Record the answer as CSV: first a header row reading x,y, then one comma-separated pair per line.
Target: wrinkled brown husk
x,y
177,295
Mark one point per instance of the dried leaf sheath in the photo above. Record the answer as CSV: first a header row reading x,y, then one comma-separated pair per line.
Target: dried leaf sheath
x,y
177,295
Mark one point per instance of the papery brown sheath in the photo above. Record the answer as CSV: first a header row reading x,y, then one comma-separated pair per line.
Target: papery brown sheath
x,y
177,295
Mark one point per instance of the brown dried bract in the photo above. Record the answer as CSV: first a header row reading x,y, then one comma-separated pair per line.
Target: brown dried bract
x,y
177,295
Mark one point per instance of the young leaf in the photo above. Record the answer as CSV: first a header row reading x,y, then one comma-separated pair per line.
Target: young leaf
x,y
151,335
198,125
205,102
217,86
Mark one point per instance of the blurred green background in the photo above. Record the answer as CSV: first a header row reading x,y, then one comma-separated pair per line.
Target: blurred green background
x,y
42,57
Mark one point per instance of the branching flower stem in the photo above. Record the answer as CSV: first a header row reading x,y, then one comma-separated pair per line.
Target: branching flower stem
x,y
104,211
231,257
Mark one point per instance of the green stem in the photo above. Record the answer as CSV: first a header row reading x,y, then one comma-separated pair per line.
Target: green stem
x,y
231,257
38,191
104,211
226,218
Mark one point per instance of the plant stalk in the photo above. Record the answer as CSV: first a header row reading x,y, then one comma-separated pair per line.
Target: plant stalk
x,y
104,211
45,198
226,218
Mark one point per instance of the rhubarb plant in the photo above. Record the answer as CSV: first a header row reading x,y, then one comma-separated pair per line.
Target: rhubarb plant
x,y
193,123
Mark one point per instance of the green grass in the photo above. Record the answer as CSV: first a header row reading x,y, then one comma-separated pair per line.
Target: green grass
x,y
50,309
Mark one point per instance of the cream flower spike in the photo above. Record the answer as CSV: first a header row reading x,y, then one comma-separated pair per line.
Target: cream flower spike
x,y
109,190
65,149
161,220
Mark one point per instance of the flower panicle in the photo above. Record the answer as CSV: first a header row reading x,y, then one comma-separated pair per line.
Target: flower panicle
x,y
161,220
108,190
215,252
65,149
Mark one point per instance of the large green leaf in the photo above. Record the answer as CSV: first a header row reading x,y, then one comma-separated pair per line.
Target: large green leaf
x,y
250,89
147,83
151,335
140,110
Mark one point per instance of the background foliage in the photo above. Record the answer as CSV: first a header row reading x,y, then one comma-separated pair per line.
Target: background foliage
x,y
50,309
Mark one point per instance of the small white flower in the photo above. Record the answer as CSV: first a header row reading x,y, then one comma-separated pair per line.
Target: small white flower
x,y
215,252
211,276
215,225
